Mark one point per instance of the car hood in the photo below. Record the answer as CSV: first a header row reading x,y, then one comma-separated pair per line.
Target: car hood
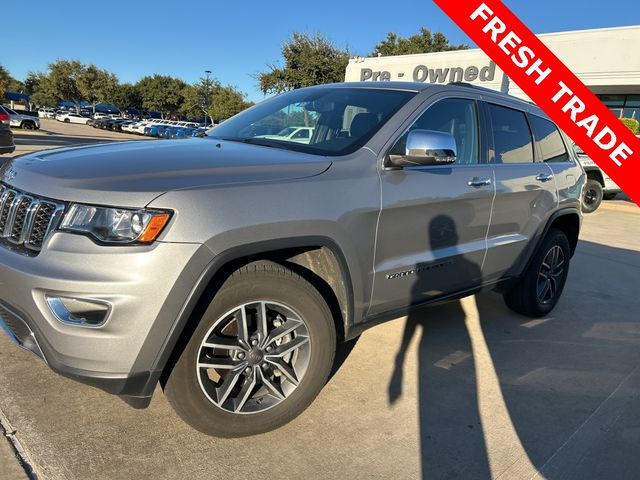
x,y
132,174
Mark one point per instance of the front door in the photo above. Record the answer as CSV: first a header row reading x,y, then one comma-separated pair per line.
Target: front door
x,y
433,224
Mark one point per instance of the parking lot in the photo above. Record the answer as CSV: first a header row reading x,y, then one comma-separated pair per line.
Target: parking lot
x,y
54,134
466,389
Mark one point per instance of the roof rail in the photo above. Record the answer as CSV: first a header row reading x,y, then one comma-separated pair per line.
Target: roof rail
x,y
478,87
471,85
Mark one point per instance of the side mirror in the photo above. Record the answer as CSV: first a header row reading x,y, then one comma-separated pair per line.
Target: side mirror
x,y
423,148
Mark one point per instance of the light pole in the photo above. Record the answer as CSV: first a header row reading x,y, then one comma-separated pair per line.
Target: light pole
x,y
206,99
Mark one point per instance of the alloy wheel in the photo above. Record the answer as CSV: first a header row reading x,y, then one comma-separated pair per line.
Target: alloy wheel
x,y
550,274
253,357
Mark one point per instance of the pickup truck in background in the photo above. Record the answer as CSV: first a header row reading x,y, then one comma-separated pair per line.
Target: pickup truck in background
x,y
599,185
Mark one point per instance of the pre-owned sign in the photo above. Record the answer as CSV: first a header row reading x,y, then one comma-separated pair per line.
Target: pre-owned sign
x,y
552,86
422,73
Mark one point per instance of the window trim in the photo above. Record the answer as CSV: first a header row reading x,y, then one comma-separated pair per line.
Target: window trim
x,y
492,149
426,105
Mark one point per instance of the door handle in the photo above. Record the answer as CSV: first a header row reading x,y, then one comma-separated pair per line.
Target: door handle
x,y
478,182
544,177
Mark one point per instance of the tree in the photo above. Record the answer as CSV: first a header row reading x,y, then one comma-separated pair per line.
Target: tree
x,y
125,96
8,83
161,93
210,98
4,80
308,60
38,86
197,97
422,42
64,81
226,102
96,85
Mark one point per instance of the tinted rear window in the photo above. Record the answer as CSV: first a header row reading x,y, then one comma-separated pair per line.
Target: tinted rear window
x,y
511,135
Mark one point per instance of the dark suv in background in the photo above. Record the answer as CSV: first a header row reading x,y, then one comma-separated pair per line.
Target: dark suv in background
x,y
6,136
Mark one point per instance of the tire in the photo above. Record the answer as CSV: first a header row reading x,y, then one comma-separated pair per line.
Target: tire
x,y
197,393
526,296
610,196
66,120
28,125
592,197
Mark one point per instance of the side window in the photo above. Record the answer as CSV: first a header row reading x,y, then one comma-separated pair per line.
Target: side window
x,y
511,135
549,140
459,117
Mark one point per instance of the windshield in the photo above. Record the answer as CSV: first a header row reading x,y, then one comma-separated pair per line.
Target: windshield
x,y
338,120
578,150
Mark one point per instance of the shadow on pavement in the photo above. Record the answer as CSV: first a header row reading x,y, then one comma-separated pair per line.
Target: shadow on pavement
x,y
501,395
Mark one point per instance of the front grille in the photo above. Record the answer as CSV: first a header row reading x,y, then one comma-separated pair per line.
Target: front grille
x,y
26,219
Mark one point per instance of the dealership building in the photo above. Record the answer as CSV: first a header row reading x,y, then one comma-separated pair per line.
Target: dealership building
x,y
606,60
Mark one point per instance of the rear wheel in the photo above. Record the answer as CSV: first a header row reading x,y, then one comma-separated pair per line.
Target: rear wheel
x,y
539,289
592,196
258,358
66,120
28,125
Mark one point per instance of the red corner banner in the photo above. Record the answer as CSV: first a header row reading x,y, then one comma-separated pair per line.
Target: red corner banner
x,y
552,86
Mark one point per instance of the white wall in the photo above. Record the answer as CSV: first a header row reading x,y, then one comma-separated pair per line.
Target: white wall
x,y
606,60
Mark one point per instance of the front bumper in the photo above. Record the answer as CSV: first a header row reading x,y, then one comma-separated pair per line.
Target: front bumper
x,y
146,288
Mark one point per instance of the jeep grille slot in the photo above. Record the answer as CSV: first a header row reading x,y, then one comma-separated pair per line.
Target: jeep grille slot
x,y
26,219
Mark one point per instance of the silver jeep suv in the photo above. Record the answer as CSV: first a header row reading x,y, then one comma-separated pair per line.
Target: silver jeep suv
x,y
228,267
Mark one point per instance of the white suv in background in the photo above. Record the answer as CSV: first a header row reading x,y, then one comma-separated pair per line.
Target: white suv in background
x,y
21,120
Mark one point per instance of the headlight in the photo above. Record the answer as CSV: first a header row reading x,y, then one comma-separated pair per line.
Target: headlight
x,y
115,225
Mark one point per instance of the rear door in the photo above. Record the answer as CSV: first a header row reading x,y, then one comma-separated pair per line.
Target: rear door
x,y
526,193
553,150
433,223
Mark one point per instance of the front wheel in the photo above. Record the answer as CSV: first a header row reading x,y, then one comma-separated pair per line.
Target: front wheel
x,y
260,355
66,120
539,289
28,125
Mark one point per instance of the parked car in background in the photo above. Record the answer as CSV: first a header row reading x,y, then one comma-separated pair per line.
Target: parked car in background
x,y
71,117
599,185
21,120
46,112
292,134
99,115
6,135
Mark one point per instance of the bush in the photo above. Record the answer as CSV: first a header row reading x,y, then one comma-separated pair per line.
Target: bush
x,y
632,123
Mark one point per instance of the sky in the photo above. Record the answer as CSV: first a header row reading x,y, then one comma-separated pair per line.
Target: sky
x,y
237,39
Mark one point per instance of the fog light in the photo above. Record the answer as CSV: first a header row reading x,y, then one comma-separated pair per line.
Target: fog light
x,y
77,311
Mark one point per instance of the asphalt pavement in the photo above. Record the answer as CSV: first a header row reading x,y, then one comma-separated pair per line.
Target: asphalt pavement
x,y
466,390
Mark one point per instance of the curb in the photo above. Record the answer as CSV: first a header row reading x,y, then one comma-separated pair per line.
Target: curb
x,y
7,431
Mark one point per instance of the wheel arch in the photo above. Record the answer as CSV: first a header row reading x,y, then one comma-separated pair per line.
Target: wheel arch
x,y
595,174
318,259
569,223
568,220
